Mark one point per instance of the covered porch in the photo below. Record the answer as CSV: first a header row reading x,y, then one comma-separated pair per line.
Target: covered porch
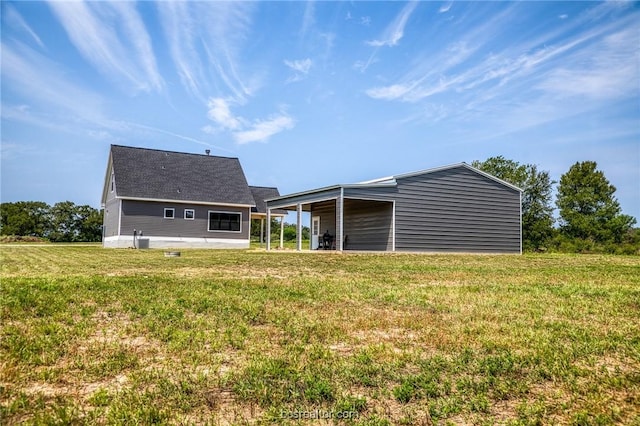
x,y
339,222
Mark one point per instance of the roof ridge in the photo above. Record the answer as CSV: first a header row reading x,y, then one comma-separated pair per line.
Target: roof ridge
x,y
171,151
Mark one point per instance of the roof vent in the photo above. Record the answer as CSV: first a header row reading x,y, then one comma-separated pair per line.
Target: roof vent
x,y
207,151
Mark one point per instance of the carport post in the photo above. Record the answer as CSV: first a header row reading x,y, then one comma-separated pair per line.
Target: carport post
x,y
299,227
268,229
281,232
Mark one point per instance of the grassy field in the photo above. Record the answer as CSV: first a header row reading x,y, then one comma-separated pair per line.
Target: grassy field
x,y
247,337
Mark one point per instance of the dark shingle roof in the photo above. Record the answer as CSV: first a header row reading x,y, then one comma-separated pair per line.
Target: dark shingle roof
x,y
261,193
167,175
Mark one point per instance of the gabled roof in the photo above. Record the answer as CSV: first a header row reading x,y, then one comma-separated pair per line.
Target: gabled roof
x,y
260,194
390,179
152,174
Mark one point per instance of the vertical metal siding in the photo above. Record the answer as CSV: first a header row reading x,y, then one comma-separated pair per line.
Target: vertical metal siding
x,y
327,212
368,225
148,217
452,210
457,210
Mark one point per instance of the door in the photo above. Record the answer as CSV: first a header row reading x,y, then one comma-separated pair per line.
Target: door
x,y
315,232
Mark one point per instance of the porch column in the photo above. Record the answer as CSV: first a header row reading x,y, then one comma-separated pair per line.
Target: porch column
x,y
268,229
340,221
299,227
281,232
261,231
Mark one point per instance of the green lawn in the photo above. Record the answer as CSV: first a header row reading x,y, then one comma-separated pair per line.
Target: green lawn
x,y
246,337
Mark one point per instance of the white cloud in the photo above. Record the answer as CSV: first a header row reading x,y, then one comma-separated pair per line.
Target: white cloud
x,y
299,65
220,113
44,84
205,37
390,93
301,68
242,130
262,130
16,20
395,31
113,38
445,7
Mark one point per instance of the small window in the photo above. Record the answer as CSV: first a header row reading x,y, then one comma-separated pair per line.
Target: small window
x,y
223,221
189,214
169,213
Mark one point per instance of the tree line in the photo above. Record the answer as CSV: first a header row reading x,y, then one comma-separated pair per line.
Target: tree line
x,y
590,216
62,222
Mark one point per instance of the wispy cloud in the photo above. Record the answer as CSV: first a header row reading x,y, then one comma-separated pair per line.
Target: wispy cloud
x,y
242,130
13,18
445,7
205,40
113,38
301,68
41,82
541,67
606,71
262,130
395,31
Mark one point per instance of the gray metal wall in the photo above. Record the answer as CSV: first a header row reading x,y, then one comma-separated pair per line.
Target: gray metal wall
x,y
452,210
149,217
327,212
457,210
305,198
367,225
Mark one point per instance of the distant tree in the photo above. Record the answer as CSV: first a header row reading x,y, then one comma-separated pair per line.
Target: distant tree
x,y
73,223
25,218
89,224
537,211
588,207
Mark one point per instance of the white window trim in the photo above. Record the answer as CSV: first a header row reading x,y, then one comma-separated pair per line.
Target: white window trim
x,y
225,212
166,209
193,214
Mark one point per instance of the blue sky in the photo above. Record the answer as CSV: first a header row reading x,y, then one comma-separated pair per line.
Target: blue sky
x,y
309,94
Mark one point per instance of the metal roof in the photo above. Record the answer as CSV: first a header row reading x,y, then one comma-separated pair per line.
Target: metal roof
x,y
392,181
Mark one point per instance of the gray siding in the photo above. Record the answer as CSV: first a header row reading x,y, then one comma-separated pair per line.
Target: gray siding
x,y
368,225
305,198
149,217
110,220
327,212
456,210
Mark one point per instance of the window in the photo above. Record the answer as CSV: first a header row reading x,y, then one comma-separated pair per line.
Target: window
x,y
169,213
189,214
222,221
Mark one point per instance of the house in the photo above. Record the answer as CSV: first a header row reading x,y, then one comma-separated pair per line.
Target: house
x,y
455,208
171,199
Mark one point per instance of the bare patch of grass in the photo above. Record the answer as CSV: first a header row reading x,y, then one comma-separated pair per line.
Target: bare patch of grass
x,y
238,337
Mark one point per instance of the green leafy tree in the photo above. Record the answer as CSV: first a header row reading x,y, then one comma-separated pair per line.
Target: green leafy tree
x,y
89,224
588,207
537,211
25,218
73,223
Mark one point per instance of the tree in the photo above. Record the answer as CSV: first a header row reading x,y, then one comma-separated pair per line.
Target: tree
x,y
588,207
537,212
71,223
25,218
